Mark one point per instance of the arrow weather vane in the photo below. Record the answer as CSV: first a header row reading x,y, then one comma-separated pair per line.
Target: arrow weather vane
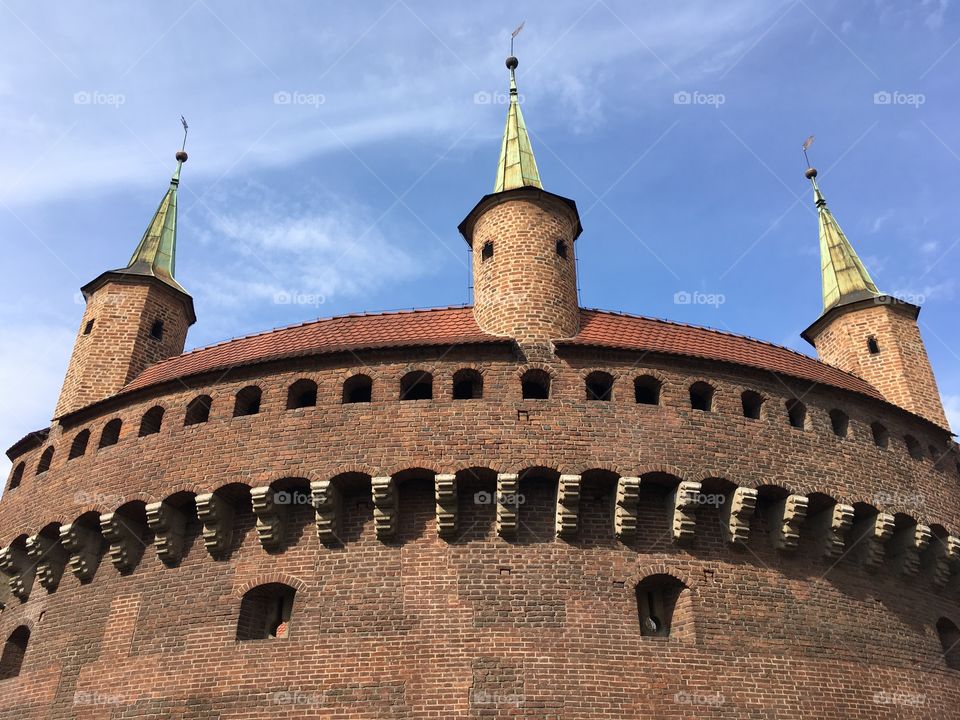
x,y
806,146
514,35
183,121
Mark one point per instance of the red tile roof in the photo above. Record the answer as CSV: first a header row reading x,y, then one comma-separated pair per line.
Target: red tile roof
x,y
615,330
457,326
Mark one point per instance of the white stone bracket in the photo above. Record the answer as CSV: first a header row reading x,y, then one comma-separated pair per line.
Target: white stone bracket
x,y
905,547
867,539
682,504
447,505
328,504
830,526
942,559
15,563
50,558
568,506
626,508
272,509
785,518
735,516
385,507
83,546
508,507
217,515
169,527
125,538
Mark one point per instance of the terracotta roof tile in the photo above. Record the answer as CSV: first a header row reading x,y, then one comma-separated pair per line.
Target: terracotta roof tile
x,y
616,330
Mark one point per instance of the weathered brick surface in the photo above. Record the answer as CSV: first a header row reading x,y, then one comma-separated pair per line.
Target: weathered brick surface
x,y
477,625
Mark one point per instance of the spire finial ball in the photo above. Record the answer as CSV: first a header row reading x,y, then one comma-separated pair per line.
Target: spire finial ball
x,y
512,63
181,156
810,173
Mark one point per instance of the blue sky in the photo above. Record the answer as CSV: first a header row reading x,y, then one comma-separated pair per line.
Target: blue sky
x,y
334,147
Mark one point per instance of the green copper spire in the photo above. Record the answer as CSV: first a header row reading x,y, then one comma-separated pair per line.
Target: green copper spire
x,y
845,279
157,252
517,167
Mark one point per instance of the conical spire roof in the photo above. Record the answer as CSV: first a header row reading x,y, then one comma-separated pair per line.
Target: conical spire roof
x,y
517,166
156,255
845,278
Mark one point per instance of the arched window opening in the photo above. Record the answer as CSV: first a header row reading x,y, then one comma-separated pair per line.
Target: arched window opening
x,y
840,422
467,385
913,447
79,445
151,421
657,598
416,385
599,386
486,252
247,401
646,390
535,385
881,437
88,328
701,396
797,414
111,433
303,393
752,403
935,454
265,612
561,249
17,476
198,411
873,347
14,651
45,461
156,330
358,389
950,641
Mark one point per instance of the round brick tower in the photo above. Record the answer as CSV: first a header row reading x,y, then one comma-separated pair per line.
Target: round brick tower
x,y
522,241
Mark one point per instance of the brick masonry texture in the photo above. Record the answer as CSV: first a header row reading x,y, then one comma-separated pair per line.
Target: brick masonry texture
x,y
474,625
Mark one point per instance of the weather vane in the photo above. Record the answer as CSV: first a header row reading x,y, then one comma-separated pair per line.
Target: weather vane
x,y
183,121
806,146
514,35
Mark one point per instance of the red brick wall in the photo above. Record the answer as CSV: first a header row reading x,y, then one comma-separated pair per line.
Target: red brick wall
x,y
120,346
901,370
479,626
526,290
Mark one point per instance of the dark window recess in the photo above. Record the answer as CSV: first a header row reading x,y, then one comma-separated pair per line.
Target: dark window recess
x,y
45,461
265,612
701,397
913,447
79,445
151,421
14,650
656,602
88,328
303,393
599,386
949,636
111,433
156,330
839,422
873,346
358,389
646,390
198,411
561,248
486,252
467,385
416,385
881,437
17,476
752,403
535,385
797,414
247,401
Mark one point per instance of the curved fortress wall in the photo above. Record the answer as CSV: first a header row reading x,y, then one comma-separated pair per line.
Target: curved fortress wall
x,y
420,539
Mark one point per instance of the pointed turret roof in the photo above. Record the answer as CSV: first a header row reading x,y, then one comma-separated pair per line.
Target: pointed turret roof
x,y
845,279
517,167
156,255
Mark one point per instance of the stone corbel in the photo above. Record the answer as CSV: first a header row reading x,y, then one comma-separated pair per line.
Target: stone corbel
x,y
272,508
568,506
626,507
942,558
446,494
384,507
735,516
50,558
905,547
508,487
830,526
868,537
216,514
682,503
785,518
83,546
125,538
328,505
15,564
169,527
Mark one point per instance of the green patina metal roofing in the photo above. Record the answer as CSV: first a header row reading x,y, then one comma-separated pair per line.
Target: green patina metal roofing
x,y
845,279
517,167
156,255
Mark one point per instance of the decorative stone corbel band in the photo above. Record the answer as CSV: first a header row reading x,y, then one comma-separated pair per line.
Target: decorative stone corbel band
x,y
568,506
735,515
682,503
125,538
867,539
508,487
5,595
50,558
169,527
216,514
83,546
943,559
15,564
384,507
785,517
829,526
446,494
626,507
905,546
328,505
272,508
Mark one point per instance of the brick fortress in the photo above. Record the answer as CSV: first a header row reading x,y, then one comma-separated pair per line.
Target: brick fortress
x,y
521,508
